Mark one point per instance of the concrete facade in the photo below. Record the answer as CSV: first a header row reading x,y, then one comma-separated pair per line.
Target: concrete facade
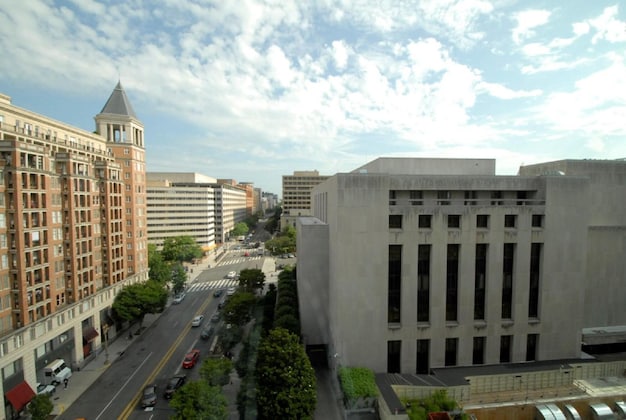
x,y
538,236
72,234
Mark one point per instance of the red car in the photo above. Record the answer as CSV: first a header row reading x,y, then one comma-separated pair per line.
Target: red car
x,y
191,359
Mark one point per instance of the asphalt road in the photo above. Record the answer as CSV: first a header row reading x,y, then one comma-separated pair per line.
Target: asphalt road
x,y
155,355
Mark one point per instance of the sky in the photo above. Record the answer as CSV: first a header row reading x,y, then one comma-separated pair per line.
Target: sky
x,y
252,90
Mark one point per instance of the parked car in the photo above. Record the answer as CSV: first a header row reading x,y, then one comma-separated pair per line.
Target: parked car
x,y
173,384
191,359
43,389
218,293
222,303
207,333
197,321
178,298
149,396
215,318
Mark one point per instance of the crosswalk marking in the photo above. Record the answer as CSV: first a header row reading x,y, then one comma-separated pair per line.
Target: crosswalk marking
x,y
211,285
231,261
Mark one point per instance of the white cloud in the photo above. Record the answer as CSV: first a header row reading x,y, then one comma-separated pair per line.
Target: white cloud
x,y
607,27
527,21
340,53
502,92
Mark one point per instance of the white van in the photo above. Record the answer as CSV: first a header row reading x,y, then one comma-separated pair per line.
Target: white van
x,y
56,372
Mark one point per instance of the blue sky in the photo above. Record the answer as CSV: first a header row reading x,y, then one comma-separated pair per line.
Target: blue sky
x,y
253,90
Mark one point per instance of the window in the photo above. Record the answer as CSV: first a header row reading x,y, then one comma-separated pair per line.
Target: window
x,y
443,198
478,352
507,280
392,198
452,280
480,274
393,356
421,357
505,348
531,347
510,220
424,221
537,220
454,221
470,198
395,221
415,197
451,350
423,283
394,283
482,221
533,289
495,198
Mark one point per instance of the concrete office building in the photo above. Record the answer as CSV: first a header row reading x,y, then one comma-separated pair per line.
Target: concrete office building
x,y
72,233
412,264
297,195
231,208
181,203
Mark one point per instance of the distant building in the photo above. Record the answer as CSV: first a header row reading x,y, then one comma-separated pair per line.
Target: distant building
x,y
181,204
72,233
297,195
412,264
192,204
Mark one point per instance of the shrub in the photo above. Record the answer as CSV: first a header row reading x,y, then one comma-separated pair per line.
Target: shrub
x,y
357,383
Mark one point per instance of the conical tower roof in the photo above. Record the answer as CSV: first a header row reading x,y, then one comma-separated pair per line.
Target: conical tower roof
x,y
118,103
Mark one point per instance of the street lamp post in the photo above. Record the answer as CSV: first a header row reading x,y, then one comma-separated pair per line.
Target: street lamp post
x,y
105,330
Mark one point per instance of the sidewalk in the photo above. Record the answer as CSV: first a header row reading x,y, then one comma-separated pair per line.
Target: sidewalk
x,y
90,372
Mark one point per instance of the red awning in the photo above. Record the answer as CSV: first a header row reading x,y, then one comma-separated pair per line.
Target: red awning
x,y
89,334
20,396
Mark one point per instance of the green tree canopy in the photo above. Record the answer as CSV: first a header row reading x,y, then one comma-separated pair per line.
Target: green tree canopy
x,y
238,308
251,279
216,370
240,228
136,300
179,278
40,407
199,400
159,269
286,380
181,248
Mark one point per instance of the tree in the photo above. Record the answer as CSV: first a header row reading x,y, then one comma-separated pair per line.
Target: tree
x,y
251,279
216,371
199,400
159,269
240,228
285,377
40,407
181,248
238,307
179,278
136,300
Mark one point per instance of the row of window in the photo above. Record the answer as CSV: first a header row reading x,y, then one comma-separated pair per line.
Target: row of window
x,y
479,345
452,274
454,221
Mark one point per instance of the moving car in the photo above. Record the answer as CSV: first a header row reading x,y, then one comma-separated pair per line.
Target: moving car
x,y
218,293
206,333
191,359
178,298
197,321
149,396
215,318
43,389
173,384
231,275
